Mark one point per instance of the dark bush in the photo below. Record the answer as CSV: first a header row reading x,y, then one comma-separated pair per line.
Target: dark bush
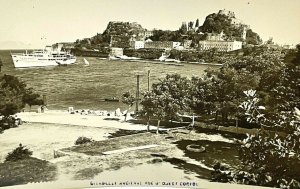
x,y
19,153
221,173
83,140
8,122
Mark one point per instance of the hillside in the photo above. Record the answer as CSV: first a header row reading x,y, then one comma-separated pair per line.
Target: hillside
x,y
118,34
231,26
123,28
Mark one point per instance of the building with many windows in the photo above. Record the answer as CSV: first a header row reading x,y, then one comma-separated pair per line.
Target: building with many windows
x,y
148,33
216,41
137,44
161,44
224,46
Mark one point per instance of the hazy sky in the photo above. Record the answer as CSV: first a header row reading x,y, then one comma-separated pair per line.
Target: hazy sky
x,y
41,22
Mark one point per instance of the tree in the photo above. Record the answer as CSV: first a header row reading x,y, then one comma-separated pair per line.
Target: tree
x,y
183,29
149,107
190,25
11,95
227,86
10,102
129,99
267,66
173,90
272,159
167,99
197,23
32,98
201,96
154,106
14,95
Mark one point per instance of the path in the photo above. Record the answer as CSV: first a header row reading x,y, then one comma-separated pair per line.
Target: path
x,y
129,149
64,117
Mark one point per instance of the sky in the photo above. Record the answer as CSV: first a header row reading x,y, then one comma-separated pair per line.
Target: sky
x,y
36,23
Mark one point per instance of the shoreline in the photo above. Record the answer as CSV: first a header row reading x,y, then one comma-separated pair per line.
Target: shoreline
x,y
90,120
181,63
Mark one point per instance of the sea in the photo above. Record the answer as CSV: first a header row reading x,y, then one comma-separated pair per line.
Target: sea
x,y
86,87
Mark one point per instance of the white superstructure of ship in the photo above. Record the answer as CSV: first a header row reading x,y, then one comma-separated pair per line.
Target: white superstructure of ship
x,y
49,56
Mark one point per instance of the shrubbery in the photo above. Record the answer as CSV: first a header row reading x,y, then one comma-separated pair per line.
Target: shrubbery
x,y
83,140
9,122
267,159
19,153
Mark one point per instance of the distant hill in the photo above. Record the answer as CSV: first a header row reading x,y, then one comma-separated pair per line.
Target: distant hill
x,y
14,45
117,33
123,29
231,26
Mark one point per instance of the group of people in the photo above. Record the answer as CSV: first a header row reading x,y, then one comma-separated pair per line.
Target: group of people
x,y
116,113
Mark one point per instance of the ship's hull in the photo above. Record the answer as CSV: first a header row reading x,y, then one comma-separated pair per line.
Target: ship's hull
x,y
21,62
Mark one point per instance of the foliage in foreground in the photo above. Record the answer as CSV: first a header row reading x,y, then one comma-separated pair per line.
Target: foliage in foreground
x,y
267,159
222,173
21,152
25,171
20,168
83,140
14,95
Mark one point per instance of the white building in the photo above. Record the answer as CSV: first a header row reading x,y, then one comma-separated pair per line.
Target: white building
x,y
137,44
176,45
116,51
161,44
224,46
148,33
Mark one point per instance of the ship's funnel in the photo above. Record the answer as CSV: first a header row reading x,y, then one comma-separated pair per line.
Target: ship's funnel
x,y
48,48
59,46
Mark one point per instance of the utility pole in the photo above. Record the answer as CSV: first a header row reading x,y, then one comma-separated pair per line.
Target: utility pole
x,y
148,80
1,64
44,100
137,92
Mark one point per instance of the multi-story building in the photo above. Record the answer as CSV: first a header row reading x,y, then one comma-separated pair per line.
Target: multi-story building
x,y
148,33
137,44
161,44
220,45
216,41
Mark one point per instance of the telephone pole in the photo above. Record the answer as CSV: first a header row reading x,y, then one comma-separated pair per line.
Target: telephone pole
x,y
137,92
148,80
44,100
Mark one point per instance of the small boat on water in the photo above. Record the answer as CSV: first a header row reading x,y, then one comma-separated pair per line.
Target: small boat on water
x,y
86,62
124,57
195,148
113,99
172,60
113,58
165,58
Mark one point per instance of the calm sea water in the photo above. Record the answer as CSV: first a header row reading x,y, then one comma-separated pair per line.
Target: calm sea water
x,y
83,86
